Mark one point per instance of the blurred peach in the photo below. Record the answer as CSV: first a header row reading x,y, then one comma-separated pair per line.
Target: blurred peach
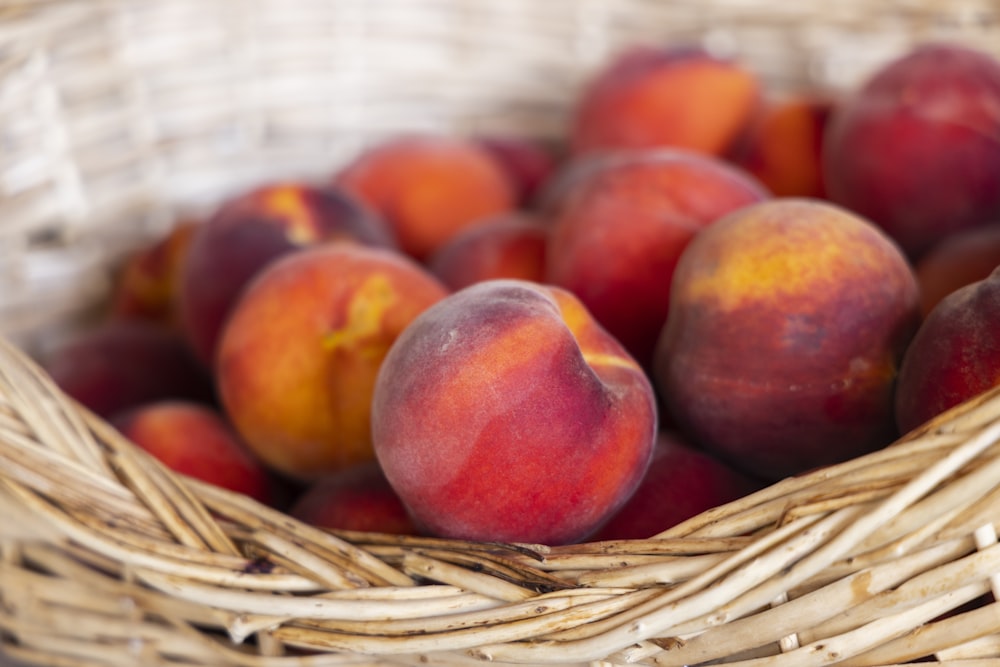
x,y
249,231
429,188
508,246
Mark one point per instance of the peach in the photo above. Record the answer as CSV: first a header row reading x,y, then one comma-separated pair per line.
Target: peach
x,y
783,147
915,149
505,412
619,229
511,245
251,230
356,498
959,260
787,323
682,481
147,284
428,188
682,97
298,357
954,355
118,364
529,163
197,441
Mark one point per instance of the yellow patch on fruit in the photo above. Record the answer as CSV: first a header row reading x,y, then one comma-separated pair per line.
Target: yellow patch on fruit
x,y
768,262
601,359
287,202
363,325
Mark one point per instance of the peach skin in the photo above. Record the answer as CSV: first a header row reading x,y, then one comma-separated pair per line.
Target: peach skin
x,y
428,188
504,412
251,230
681,97
298,357
787,323
621,225
197,441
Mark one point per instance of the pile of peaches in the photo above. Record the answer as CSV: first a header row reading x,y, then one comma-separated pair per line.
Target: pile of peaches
x,y
706,287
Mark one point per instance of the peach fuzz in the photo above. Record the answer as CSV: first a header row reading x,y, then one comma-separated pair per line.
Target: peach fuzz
x,y
147,284
298,357
511,245
682,97
250,230
954,355
197,441
505,412
959,260
429,187
916,149
783,148
787,323
620,224
356,498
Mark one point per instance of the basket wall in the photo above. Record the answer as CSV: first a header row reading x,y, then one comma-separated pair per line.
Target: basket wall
x,y
118,116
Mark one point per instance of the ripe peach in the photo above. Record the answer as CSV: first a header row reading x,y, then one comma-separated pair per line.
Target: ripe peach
x,y
355,498
196,441
678,96
959,260
511,245
954,355
118,364
619,230
249,231
783,147
915,149
505,412
298,357
528,163
428,188
147,285
681,482
787,323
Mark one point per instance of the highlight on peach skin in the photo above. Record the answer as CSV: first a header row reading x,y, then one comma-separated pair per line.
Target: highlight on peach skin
x,y
298,357
504,412
787,323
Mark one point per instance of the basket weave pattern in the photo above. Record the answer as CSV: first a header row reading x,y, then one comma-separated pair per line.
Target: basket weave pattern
x,y
116,117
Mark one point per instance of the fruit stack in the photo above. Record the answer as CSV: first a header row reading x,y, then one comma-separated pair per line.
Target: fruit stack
x,y
696,371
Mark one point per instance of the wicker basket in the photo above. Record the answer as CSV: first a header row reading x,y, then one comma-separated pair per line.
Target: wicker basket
x,y
117,117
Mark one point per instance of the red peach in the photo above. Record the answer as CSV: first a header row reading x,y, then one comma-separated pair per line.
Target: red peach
x,y
428,188
356,498
196,441
783,147
959,260
298,357
681,482
147,285
528,163
915,149
251,230
787,323
505,412
681,97
619,229
118,364
954,355
508,246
